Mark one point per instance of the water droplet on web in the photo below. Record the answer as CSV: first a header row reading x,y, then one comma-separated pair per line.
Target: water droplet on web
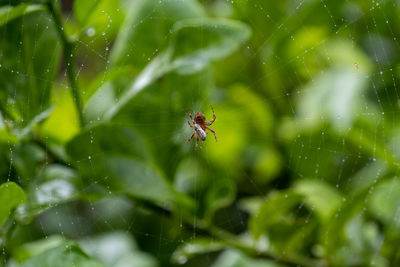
x,y
181,259
90,32
89,157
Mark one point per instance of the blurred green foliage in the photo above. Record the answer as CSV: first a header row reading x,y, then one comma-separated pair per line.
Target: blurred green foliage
x,y
305,170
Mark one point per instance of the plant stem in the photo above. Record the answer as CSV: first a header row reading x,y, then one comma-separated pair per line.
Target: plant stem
x,y
69,47
234,242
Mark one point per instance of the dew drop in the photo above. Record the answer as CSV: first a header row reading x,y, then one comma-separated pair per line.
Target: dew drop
x,y
90,32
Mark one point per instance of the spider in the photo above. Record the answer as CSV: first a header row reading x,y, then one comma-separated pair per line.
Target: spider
x,y
200,127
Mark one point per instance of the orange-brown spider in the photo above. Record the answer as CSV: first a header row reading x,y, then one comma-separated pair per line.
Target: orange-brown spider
x,y
200,126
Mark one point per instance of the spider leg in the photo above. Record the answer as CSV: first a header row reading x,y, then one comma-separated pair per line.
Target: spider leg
x,y
213,133
191,126
190,115
197,143
214,117
190,139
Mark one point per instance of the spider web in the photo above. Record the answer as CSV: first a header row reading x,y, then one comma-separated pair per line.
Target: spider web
x,y
314,130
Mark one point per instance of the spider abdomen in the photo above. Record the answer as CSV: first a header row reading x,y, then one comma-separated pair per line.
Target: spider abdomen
x,y
200,132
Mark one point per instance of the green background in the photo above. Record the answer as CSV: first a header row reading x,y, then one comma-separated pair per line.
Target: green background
x,y
94,104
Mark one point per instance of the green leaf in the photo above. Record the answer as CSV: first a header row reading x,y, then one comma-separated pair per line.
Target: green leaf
x,y
319,196
147,27
55,184
83,10
116,157
195,247
251,205
235,258
384,202
221,194
282,225
277,208
11,195
368,176
158,67
335,231
29,250
25,131
65,255
28,67
124,253
99,21
103,79
335,95
198,42
58,127
106,140
190,176
138,179
186,54
8,13
27,159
